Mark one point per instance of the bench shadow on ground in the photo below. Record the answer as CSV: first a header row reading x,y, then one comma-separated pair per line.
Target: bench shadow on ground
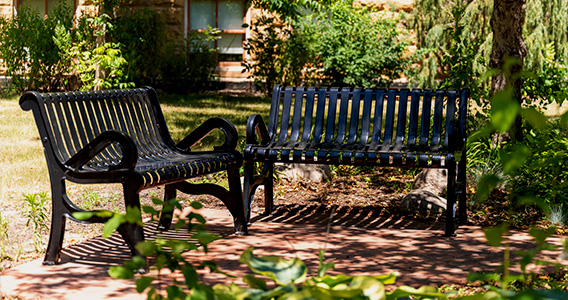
x,y
360,241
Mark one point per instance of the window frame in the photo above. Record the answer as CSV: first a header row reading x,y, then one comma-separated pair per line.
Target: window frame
x,y
18,3
227,31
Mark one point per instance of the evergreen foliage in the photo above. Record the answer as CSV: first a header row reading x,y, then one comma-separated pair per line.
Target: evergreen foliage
x,y
462,28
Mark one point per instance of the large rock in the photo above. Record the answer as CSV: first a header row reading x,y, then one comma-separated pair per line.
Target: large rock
x,y
424,201
294,172
433,180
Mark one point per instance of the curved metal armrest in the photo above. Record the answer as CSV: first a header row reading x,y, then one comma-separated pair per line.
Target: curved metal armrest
x,y
455,136
255,125
231,135
102,141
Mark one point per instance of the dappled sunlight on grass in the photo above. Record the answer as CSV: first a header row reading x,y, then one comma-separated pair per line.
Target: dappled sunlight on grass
x,y
185,113
21,158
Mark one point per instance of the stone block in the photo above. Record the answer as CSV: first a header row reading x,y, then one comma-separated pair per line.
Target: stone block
x,y
424,202
294,172
399,5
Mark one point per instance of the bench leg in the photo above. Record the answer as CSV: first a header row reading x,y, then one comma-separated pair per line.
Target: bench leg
x,y
132,233
251,183
236,203
248,192
232,198
462,190
58,220
269,189
166,216
451,202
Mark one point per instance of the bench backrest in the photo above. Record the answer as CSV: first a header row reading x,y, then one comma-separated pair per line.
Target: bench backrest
x,y
401,118
69,121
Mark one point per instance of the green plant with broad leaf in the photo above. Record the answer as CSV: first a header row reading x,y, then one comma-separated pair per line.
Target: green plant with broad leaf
x,y
292,282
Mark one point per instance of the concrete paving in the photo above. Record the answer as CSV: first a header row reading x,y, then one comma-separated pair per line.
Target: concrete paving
x,y
357,242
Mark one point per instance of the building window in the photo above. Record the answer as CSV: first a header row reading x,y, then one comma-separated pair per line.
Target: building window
x,y
228,17
44,7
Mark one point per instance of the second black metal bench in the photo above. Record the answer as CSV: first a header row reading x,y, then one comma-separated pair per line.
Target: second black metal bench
x,y
360,127
120,136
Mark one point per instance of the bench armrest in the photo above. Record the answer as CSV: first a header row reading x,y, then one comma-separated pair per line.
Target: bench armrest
x,y
455,136
231,135
102,141
255,125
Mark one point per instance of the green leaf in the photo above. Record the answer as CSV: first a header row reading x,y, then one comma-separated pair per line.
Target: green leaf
x,y
323,267
196,205
112,224
205,237
490,295
282,271
387,278
133,215
371,288
541,235
423,291
143,283
504,110
534,117
487,183
473,277
513,157
146,248
83,215
255,282
531,199
495,234
120,272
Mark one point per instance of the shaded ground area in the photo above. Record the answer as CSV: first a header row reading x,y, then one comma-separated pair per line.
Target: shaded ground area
x,y
418,252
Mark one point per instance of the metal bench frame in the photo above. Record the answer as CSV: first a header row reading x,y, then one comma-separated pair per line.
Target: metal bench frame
x,y
120,136
361,127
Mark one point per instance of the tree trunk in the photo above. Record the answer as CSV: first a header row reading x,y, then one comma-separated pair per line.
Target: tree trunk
x,y
508,52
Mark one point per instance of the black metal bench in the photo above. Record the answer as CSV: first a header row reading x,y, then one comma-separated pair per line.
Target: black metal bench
x,y
120,136
360,127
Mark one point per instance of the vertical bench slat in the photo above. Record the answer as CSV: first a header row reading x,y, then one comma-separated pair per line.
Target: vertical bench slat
x,y
316,138
80,119
426,113
365,125
389,119
401,122
320,115
343,114
331,114
414,117
438,119
297,117
286,107
450,113
137,126
354,119
378,118
307,129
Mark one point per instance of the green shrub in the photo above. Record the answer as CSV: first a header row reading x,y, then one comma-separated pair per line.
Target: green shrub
x,y
335,44
142,36
30,55
354,47
544,172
